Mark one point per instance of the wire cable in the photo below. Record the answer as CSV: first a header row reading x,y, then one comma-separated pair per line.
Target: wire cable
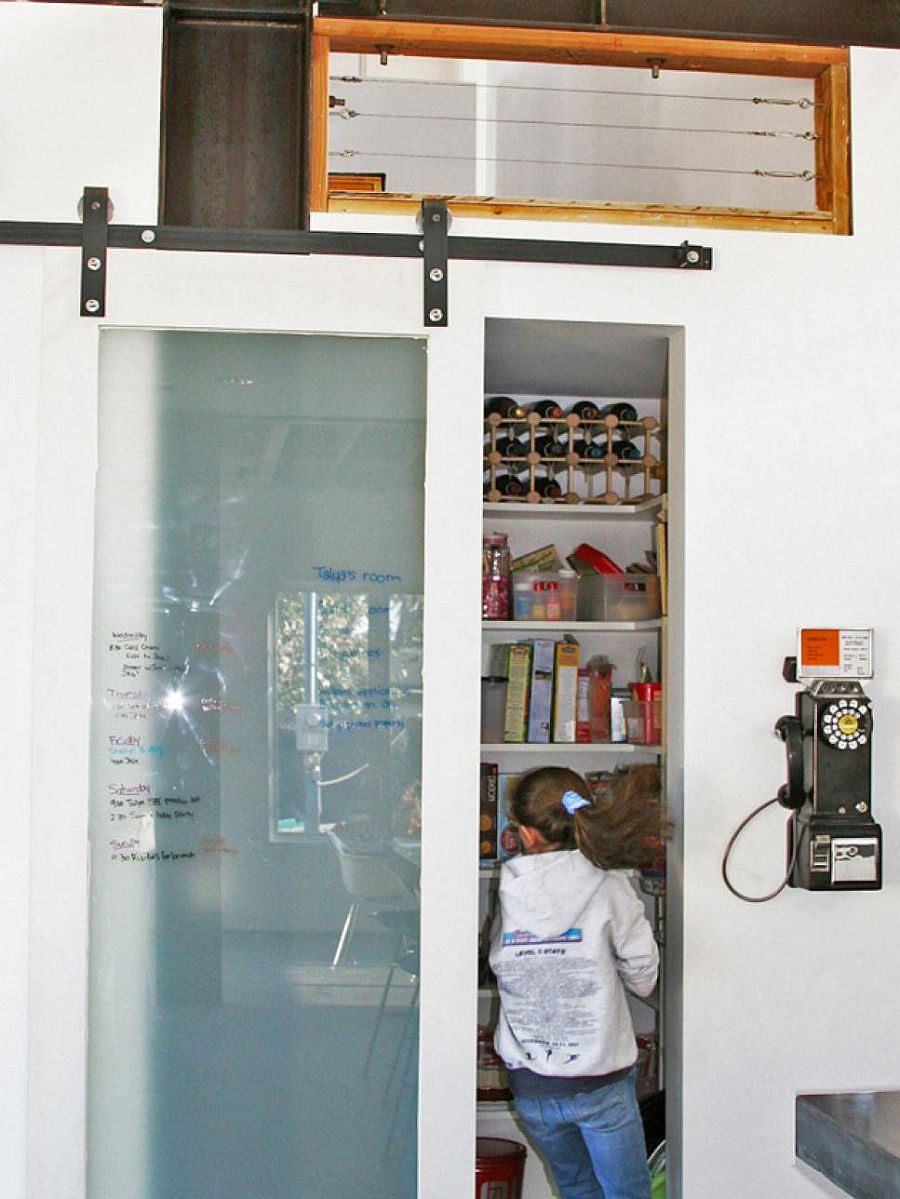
x,y
728,848
806,176
803,102
349,114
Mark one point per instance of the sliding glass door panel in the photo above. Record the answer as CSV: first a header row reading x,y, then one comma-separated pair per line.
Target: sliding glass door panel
x,y
255,809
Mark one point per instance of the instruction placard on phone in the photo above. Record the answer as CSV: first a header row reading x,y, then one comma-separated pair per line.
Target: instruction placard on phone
x,y
834,653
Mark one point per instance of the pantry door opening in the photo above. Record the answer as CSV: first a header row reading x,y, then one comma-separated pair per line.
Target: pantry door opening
x,y
583,462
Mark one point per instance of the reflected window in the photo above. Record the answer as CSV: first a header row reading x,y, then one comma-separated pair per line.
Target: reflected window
x,y
347,718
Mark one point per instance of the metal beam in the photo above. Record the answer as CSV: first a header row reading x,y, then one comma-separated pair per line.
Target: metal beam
x,y
367,245
434,247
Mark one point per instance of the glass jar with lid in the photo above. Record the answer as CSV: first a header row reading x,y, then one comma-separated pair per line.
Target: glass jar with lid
x,y
495,571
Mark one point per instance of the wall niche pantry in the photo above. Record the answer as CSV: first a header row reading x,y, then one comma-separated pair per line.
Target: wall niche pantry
x,y
619,506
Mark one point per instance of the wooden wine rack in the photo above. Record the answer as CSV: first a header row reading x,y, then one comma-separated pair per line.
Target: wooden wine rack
x,y
581,480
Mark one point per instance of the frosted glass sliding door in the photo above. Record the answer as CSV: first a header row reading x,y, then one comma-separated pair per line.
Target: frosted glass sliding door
x,y
256,760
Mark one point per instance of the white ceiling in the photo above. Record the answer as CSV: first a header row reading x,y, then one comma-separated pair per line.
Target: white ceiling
x,y
575,358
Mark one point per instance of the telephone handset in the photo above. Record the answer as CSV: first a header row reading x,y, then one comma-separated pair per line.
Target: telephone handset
x,y
791,794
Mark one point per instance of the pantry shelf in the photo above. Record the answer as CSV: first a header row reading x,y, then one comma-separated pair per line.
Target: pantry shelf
x,y
568,748
494,1107
571,626
649,510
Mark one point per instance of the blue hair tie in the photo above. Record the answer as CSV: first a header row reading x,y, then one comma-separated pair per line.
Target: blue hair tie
x,y
572,801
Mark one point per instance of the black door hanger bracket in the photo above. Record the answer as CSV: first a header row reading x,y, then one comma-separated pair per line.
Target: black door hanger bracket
x,y
94,244
434,221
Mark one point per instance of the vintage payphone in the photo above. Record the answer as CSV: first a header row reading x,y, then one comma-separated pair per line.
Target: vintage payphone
x,y
834,843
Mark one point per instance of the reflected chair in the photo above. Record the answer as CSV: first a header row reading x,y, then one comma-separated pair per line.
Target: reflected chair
x,y
385,885
406,960
381,883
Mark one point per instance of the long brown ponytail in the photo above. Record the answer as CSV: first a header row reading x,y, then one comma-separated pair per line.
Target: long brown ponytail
x,y
619,829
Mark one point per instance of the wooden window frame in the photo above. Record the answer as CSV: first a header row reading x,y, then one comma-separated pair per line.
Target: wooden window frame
x,y
826,65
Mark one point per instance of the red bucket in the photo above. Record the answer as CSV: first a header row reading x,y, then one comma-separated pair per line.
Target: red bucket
x,y
499,1168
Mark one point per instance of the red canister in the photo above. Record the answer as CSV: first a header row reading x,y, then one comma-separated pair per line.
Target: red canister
x,y
499,1168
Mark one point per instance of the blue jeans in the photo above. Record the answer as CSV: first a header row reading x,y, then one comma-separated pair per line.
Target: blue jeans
x,y
593,1142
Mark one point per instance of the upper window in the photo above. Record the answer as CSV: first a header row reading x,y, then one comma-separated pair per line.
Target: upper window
x,y
580,125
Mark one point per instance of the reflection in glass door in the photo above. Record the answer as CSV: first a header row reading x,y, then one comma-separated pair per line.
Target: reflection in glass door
x,y
256,762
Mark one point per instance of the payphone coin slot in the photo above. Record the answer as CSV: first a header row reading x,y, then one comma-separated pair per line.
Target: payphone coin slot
x,y
820,854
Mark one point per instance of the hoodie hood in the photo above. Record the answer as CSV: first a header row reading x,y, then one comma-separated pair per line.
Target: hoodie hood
x,y
546,894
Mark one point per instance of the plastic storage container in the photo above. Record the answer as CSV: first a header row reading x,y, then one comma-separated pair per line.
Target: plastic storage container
x,y
545,595
493,708
643,721
618,597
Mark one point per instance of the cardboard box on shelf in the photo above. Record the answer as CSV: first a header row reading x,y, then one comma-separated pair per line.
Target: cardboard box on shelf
x,y
487,831
545,558
565,690
515,725
540,703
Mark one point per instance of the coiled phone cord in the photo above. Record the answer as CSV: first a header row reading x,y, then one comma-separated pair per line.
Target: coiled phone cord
x,y
728,848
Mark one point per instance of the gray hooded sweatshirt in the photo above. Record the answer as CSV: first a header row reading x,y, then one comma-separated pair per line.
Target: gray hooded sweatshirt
x,y
568,940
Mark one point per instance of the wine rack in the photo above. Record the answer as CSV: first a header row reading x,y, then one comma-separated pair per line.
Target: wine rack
x,y
584,465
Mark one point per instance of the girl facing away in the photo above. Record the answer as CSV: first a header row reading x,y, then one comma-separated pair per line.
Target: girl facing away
x,y
570,937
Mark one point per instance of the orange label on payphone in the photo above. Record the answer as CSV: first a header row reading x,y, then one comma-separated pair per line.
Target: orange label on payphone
x,y
834,654
820,647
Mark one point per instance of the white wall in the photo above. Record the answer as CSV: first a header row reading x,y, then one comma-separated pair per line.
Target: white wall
x,y
80,107
20,309
785,514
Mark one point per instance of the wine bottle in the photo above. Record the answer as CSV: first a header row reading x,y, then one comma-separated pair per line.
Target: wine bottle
x,y
548,409
548,446
621,411
509,485
626,451
549,489
586,410
506,407
511,447
589,449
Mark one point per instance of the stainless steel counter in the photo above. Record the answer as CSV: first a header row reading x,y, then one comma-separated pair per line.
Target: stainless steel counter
x,y
853,1139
